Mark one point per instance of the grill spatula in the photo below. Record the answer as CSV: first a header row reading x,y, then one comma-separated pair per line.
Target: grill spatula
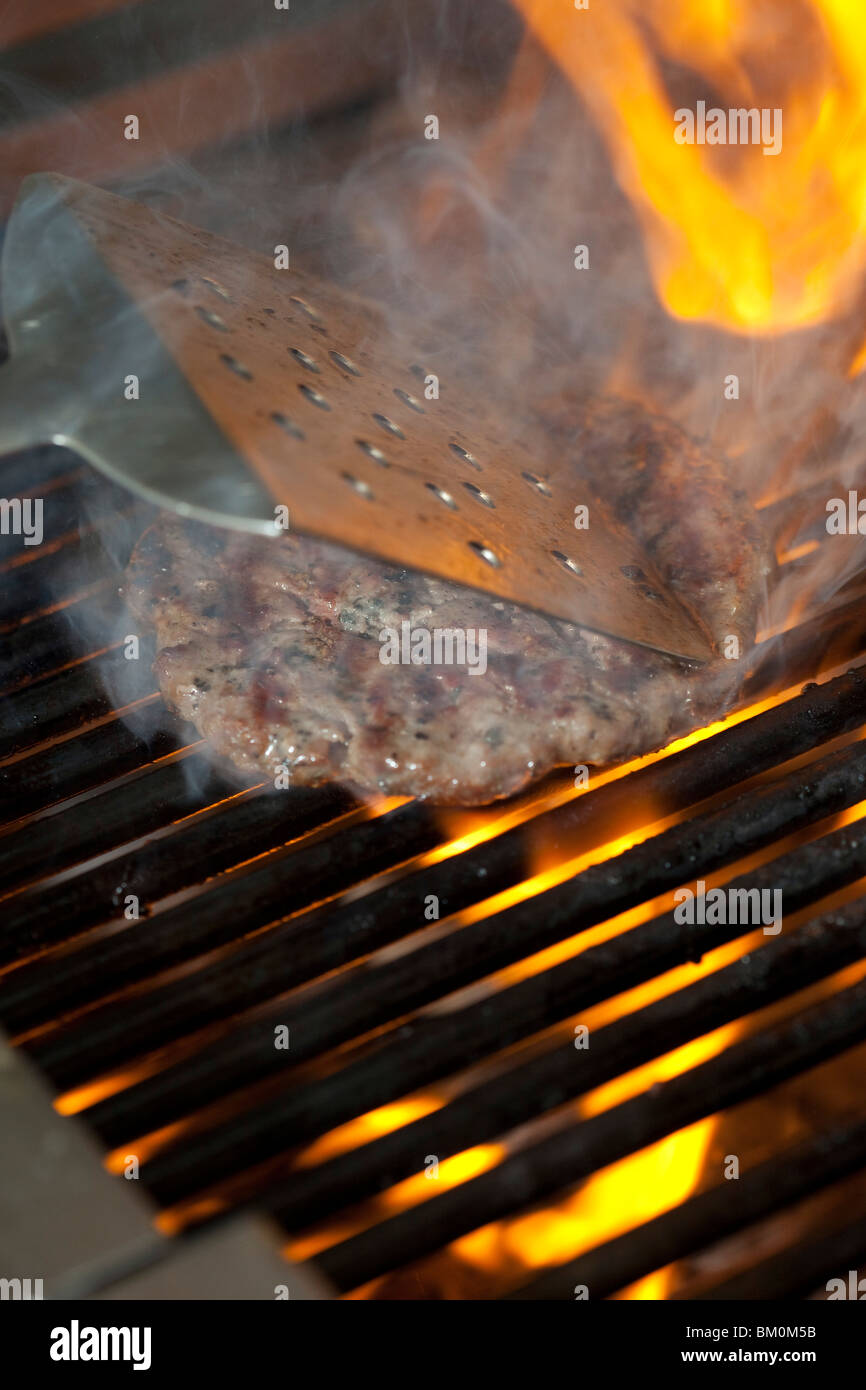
x,y
215,384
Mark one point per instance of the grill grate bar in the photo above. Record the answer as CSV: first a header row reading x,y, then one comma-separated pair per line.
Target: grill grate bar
x,y
55,641
327,1018
799,1272
253,828
418,1053
301,949
51,579
68,700
81,500
160,795
528,1088
38,781
239,830
29,563
778,1182
355,1003
743,1070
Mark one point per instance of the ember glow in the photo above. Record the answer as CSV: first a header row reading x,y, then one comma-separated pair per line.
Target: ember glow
x,y
733,238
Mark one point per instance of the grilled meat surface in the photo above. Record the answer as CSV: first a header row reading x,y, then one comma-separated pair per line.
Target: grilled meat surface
x,y
272,647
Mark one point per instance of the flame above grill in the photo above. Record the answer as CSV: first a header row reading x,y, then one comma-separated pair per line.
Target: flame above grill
x,y
742,241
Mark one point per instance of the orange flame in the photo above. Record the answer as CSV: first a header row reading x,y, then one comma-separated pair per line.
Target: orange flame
x,y
735,238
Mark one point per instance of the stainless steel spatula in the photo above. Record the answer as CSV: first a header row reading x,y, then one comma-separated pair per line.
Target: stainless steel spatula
x,y
211,382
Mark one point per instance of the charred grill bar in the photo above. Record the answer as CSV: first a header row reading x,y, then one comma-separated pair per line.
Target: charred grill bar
x,y
580,1150
354,1003
351,1006
796,1173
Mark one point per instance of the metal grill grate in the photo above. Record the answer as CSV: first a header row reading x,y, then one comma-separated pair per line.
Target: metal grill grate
x,y
305,909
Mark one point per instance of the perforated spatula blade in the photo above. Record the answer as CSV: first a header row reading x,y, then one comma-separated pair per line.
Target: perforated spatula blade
x,y
214,383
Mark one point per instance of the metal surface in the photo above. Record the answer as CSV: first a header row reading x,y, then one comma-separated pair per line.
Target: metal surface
x,y
69,1231
259,388
63,1220
238,1260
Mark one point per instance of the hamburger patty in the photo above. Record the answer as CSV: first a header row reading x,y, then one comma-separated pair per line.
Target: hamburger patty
x,y
272,647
